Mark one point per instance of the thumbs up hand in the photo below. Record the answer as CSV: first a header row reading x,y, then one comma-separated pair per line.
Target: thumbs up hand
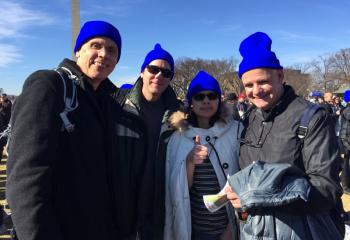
x,y
198,153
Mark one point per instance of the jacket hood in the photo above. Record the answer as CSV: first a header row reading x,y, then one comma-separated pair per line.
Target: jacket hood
x,y
178,120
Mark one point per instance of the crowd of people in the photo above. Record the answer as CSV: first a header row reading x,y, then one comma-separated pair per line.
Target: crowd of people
x,y
88,160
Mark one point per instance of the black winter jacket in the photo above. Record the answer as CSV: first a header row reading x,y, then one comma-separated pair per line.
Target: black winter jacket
x,y
345,128
5,112
152,222
272,137
70,185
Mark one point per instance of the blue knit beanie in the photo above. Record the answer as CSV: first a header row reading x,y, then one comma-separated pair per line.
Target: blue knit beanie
x,y
158,53
93,29
256,53
126,86
202,82
347,96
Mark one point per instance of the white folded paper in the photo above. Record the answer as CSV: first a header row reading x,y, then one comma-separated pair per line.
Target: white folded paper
x,y
216,201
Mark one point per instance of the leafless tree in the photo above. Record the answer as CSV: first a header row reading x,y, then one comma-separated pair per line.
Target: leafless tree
x,y
341,65
299,80
322,71
222,70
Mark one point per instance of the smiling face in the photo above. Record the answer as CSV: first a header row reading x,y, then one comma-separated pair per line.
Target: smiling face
x,y
155,84
97,59
263,86
205,108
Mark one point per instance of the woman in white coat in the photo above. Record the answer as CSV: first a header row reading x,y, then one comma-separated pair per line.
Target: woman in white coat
x,y
201,153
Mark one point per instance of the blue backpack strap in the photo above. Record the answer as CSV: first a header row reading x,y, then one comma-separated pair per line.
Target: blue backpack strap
x,y
305,120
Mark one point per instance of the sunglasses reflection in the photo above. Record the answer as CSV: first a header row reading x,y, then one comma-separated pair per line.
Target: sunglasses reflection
x,y
155,70
201,96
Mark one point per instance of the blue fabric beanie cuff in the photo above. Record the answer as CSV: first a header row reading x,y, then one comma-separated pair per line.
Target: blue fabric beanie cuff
x,y
202,82
256,53
347,96
93,29
158,53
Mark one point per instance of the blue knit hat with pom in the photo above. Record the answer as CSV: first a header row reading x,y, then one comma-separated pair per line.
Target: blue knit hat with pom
x,y
158,53
256,53
202,82
93,29
347,96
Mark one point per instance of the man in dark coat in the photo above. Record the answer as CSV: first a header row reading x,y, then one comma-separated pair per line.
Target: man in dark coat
x,y
5,115
231,99
271,133
152,100
345,141
71,183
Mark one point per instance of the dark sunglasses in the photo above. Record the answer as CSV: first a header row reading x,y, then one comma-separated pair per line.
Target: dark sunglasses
x,y
201,96
155,70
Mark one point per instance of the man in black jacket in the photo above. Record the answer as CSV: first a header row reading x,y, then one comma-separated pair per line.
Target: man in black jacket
x,y
78,182
271,133
345,141
5,115
152,100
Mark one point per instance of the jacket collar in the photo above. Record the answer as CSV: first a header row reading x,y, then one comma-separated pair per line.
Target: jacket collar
x,y
83,80
169,97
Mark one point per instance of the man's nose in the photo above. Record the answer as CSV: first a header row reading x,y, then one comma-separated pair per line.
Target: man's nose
x,y
256,89
102,52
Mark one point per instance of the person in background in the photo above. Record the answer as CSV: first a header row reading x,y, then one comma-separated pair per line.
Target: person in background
x,y
328,105
242,106
271,135
338,109
126,86
320,100
5,115
201,153
345,141
231,100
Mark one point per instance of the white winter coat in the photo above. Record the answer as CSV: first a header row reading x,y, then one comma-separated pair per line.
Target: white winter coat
x,y
177,198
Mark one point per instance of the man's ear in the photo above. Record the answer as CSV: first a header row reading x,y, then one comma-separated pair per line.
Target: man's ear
x,y
280,75
77,54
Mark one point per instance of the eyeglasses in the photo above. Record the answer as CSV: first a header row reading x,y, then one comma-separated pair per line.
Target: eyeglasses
x,y
201,96
155,70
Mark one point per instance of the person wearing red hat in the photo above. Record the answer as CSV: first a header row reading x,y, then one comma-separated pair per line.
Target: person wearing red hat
x,y
242,106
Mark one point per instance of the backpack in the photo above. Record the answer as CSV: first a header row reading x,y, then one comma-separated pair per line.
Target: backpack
x,y
305,119
70,99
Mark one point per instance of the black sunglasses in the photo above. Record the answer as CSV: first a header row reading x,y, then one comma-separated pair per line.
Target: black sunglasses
x,y
201,96
155,70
